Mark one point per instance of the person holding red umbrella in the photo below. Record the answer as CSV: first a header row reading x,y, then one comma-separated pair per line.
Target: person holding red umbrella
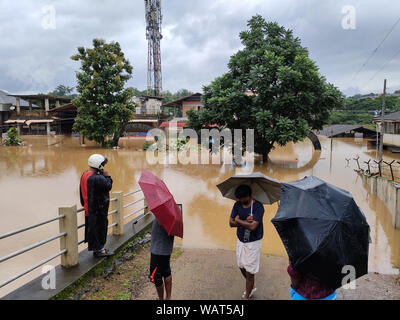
x,y
161,249
168,224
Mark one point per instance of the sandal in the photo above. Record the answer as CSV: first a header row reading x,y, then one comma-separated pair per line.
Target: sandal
x,y
251,293
104,254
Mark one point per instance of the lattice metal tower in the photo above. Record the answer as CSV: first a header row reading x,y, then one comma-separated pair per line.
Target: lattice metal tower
x,y
154,36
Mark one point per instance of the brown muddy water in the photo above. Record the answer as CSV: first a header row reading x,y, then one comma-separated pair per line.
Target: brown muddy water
x,y
43,175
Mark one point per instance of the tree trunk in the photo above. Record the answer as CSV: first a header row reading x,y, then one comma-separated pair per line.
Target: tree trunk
x,y
116,139
117,134
266,152
265,157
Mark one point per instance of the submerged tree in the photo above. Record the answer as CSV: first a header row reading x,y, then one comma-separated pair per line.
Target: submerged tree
x,y
272,86
104,105
12,138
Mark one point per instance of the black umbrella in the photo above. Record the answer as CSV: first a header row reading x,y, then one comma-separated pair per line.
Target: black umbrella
x,y
323,230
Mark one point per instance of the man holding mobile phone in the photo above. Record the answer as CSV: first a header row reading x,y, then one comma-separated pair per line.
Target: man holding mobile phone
x,y
95,188
247,216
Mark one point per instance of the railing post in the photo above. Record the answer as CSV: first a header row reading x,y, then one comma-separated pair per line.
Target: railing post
x,y
69,225
118,217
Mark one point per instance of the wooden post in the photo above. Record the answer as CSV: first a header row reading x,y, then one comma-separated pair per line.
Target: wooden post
x,y
118,217
69,224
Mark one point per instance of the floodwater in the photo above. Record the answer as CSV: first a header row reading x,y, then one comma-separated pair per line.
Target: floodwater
x,y
43,175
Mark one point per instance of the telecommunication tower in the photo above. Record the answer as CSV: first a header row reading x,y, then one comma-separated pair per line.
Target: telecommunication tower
x,y
153,36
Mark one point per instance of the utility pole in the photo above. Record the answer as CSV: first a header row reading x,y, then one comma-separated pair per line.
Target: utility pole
x,y
382,121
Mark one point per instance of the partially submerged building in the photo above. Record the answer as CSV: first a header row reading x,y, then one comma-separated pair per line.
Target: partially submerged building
x,y
64,118
149,115
391,128
343,130
179,108
47,114
34,118
148,105
10,105
178,111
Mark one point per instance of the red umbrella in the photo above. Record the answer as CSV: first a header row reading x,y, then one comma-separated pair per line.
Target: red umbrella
x,y
162,203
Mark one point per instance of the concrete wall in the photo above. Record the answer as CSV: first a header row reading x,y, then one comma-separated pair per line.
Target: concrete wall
x,y
188,105
388,192
391,139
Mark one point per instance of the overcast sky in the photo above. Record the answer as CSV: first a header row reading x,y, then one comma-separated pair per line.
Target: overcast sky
x,y
199,38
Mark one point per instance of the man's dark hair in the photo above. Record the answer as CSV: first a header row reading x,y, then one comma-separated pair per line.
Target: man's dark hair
x,y
243,191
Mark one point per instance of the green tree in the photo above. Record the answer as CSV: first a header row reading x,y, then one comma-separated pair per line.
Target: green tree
x,y
272,86
104,106
182,93
350,118
62,91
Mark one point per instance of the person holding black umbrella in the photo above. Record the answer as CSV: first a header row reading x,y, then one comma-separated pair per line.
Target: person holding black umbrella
x,y
306,287
250,191
324,232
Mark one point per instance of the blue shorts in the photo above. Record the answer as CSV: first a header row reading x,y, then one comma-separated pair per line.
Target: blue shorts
x,y
296,296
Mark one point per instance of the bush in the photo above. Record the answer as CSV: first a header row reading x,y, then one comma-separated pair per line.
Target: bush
x,y
13,138
147,145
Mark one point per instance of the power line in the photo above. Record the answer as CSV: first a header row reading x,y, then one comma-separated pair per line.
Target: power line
x,y
383,66
375,50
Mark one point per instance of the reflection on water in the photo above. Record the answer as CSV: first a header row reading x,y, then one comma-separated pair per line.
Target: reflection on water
x,y
37,179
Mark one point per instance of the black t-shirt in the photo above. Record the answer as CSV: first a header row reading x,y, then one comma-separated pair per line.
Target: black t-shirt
x,y
243,213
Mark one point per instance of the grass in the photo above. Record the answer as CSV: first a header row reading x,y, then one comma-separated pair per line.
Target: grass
x,y
89,279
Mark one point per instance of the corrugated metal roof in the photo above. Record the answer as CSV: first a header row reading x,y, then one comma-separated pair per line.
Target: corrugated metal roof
x,y
393,116
194,96
340,129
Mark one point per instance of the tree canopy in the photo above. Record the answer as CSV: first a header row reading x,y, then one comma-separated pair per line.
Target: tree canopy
x,y
272,86
104,106
63,91
167,95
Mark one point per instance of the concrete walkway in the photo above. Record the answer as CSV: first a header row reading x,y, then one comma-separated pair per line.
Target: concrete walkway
x,y
202,274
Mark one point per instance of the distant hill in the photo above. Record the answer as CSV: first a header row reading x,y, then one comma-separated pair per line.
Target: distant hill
x,y
360,109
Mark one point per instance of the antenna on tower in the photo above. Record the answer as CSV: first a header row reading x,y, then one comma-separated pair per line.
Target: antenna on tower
x,y
153,36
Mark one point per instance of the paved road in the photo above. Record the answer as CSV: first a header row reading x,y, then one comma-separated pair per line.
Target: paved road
x,y
202,274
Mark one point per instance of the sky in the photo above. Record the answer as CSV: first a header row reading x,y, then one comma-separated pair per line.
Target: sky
x,y
38,37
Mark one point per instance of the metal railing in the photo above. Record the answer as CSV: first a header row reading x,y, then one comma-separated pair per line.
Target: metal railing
x,y
68,232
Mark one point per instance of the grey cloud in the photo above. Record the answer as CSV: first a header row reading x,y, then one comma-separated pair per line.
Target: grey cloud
x,y
200,36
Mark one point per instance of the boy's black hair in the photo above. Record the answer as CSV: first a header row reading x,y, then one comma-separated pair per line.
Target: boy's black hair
x,y
243,191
